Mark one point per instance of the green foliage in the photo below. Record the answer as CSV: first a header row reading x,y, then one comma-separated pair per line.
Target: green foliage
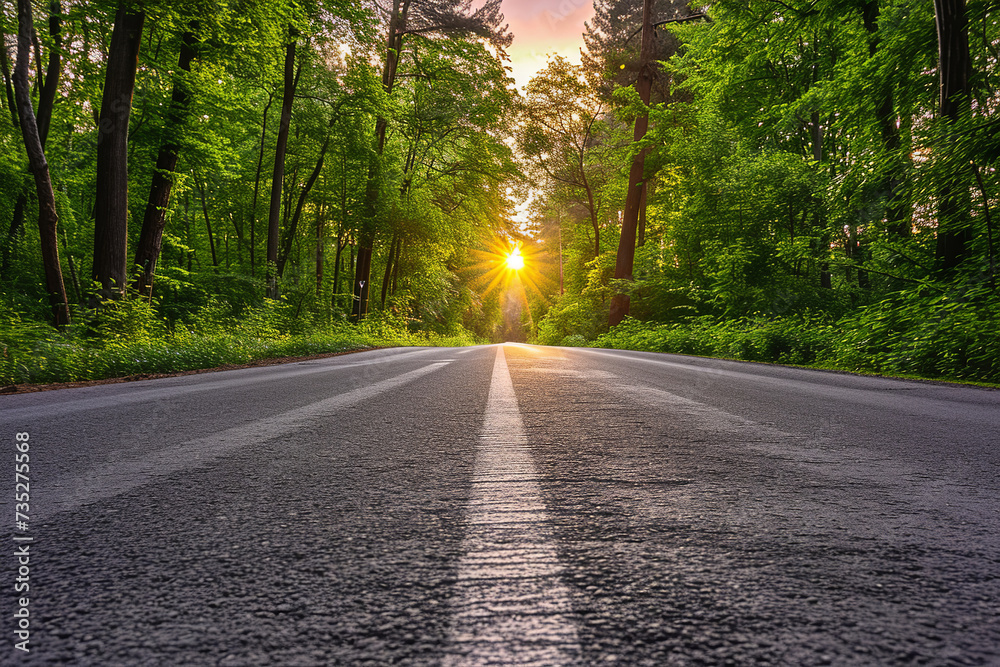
x,y
129,340
924,332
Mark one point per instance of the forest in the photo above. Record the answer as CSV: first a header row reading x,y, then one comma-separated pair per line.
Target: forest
x,y
190,184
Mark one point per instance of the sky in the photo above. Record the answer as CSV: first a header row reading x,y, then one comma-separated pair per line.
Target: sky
x,y
542,27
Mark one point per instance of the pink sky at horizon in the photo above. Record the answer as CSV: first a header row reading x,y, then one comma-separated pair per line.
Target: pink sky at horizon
x,y
542,27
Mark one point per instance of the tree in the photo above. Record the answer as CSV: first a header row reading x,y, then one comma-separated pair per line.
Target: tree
x,y
412,17
47,217
150,238
291,80
559,134
633,198
954,71
111,202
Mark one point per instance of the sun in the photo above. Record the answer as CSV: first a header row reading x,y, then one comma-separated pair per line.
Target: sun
x,y
515,262
504,264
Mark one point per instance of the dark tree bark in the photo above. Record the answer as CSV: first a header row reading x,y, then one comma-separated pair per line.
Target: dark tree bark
x,y
336,273
389,264
630,219
154,220
208,221
319,249
395,267
294,225
256,185
954,67
42,120
47,217
291,80
111,205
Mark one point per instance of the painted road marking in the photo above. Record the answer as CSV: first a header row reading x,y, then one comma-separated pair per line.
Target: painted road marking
x,y
511,606
110,479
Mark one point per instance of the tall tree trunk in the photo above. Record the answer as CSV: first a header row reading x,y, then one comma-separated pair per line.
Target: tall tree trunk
x,y
111,205
42,120
47,217
626,245
954,67
366,244
319,249
389,262
335,299
291,80
154,220
293,227
256,185
208,221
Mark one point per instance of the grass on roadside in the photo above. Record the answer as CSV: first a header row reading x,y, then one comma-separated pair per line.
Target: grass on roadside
x,y
130,340
938,341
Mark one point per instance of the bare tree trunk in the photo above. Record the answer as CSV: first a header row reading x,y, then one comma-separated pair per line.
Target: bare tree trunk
x,y
626,245
291,80
293,227
42,120
154,221
954,67
111,205
334,300
387,276
395,267
47,217
319,249
208,221
256,185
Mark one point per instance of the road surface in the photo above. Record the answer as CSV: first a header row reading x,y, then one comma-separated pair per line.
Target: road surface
x,y
504,505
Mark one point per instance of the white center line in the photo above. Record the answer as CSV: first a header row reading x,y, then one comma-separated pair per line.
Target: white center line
x,y
511,607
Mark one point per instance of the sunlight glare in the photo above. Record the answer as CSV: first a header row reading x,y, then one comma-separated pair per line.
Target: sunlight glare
x,y
515,262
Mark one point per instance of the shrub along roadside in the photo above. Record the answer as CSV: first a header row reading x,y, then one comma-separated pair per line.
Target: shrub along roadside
x,y
131,342
932,335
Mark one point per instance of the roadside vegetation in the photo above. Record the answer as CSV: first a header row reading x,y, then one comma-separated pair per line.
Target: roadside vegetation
x,y
187,185
130,338
818,184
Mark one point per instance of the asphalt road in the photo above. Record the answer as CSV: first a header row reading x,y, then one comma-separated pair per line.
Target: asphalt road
x,y
504,505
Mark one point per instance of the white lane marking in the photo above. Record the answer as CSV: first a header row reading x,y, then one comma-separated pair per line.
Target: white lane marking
x,y
248,376
946,406
511,606
110,479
